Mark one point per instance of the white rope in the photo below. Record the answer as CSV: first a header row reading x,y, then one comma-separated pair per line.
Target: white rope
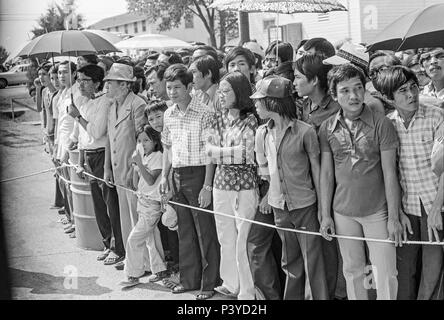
x,y
227,215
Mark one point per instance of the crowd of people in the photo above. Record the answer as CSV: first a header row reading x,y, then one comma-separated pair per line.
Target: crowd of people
x,y
339,141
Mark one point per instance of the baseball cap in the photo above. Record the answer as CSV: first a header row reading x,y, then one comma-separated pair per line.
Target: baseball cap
x,y
272,86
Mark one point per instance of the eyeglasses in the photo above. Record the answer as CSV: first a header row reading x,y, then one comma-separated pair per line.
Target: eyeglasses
x,y
84,81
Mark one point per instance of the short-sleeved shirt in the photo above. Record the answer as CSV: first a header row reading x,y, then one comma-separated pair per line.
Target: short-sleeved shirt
x,y
233,150
209,97
418,182
360,189
315,115
288,163
152,162
187,133
430,90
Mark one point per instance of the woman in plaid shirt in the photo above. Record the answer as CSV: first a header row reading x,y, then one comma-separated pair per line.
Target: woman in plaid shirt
x,y
231,147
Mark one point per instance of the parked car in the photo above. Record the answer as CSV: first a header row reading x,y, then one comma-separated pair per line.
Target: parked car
x,y
16,75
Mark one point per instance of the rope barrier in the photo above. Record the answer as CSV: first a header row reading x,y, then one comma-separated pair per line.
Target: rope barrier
x,y
28,175
224,214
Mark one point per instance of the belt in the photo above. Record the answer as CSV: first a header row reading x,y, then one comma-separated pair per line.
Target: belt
x,y
98,150
191,169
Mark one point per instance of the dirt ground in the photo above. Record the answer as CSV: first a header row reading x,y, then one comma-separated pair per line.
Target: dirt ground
x,y
44,262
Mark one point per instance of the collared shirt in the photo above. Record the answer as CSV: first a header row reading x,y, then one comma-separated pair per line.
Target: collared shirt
x,y
232,148
356,153
430,90
316,114
65,123
186,133
288,164
95,111
209,97
418,182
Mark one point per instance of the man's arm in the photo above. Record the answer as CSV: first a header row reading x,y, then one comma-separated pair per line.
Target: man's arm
x,y
434,219
326,193
107,175
166,167
393,194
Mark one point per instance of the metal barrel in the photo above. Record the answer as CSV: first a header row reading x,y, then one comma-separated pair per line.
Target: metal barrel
x,y
87,232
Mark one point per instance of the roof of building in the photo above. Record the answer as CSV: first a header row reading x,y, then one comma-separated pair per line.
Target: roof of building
x,y
118,20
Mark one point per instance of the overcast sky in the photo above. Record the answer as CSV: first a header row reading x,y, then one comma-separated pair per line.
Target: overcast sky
x,y
18,17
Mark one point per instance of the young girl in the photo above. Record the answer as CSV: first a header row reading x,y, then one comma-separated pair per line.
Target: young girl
x,y
147,161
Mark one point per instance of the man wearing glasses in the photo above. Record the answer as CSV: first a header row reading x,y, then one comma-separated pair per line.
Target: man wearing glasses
x,y
433,63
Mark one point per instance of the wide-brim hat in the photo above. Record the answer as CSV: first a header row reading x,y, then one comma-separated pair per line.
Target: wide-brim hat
x,y
169,218
350,53
272,86
120,72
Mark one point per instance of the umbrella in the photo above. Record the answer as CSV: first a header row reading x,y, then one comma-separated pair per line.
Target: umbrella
x,y
279,6
66,42
112,37
418,29
152,41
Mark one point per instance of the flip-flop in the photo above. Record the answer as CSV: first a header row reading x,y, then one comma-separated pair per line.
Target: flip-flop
x,y
178,289
113,260
225,291
103,255
204,295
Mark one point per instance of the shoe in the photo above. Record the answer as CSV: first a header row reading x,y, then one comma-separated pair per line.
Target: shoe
x,y
172,281
54,207
70,230
113,260
159,276
204,295
178,289
130,282
61,211
67,225
225,292
103,255
72,235
119,266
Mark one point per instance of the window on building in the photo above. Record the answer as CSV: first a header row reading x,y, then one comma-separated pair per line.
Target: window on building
x,y
136,28
323,17
144,26
125,28
268,23
189,22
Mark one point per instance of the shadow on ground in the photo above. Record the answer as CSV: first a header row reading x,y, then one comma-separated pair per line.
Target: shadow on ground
x,y
43,283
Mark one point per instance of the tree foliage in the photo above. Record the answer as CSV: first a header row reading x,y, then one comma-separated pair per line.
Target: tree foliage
x,y
52,20
169,14
3,55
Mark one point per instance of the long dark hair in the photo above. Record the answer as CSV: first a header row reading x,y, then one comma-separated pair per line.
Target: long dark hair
x,y
153,135
242,91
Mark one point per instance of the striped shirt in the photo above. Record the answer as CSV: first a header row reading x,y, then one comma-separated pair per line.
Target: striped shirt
x,y
418,182
186,133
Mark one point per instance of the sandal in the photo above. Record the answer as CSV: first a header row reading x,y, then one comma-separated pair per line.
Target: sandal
x,y
72,235
204,295
178,289
113,260
223,290
103,255
159,276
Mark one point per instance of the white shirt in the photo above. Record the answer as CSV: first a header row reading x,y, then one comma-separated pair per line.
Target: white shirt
x,y
65,124
152,162
95,111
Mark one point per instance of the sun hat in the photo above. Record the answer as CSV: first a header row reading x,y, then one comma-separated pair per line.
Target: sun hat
x,y
169,218
350,52
272,86
120,72
255,48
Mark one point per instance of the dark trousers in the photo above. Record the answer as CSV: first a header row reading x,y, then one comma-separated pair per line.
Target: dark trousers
x,y
264,249
106,204
170,242
416,280
301,252
199,250
66,192
58,196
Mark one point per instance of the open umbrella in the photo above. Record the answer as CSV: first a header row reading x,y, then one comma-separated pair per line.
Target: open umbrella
x,y
152,41
279,6
112,37
68,43
418,29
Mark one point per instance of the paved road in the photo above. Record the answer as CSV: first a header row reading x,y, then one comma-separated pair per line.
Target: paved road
x,y
14,92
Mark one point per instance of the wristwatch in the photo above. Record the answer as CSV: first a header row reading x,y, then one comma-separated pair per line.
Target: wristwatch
x,y
207,187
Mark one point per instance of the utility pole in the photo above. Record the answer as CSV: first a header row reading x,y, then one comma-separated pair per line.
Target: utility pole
x,y
244,27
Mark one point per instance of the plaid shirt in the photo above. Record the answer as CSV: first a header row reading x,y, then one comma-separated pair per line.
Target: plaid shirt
x,y
418,182
430,90
186,133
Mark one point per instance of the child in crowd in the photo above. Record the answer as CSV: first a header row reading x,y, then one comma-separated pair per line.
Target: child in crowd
x,y
147,162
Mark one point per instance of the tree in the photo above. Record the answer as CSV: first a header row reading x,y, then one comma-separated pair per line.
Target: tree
x,y
171,12
53,20
3,55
